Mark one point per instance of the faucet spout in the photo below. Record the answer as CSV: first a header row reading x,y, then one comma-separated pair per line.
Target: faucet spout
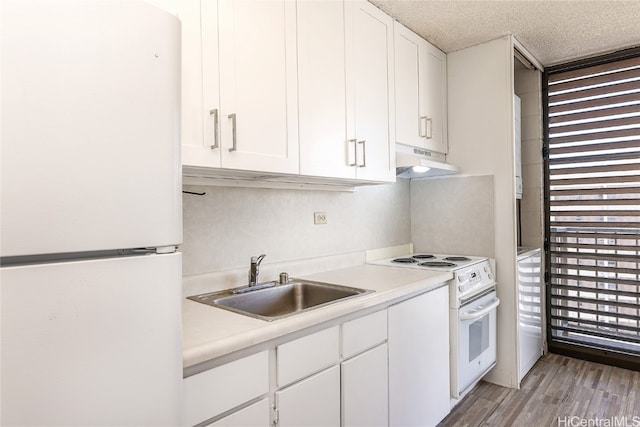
x,y
254,269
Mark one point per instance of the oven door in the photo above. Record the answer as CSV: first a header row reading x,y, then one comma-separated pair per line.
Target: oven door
x,y
476,339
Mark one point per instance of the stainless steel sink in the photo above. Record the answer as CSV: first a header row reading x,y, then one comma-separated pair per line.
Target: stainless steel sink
x,y
279,300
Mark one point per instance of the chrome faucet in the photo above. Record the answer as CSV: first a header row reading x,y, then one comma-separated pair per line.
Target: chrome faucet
x,y
254,269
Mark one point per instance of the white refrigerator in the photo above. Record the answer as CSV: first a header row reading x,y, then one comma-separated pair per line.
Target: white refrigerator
x,y
530,310
90,213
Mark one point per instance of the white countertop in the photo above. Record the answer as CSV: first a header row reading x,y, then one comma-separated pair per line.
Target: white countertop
x,y
209,332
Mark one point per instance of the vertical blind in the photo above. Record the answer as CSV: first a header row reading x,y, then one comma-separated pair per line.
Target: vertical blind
x,y
594,206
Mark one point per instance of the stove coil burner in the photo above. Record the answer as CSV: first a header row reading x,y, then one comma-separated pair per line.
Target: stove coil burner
x,y
404,260
457,258
436,264
423,256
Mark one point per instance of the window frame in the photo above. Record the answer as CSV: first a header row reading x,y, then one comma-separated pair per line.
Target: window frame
x,y
601,355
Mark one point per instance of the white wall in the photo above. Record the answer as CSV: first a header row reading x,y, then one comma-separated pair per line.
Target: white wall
x,y
224,228
453,215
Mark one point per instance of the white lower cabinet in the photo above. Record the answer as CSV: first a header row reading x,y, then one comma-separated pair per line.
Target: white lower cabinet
x,y
307,355
387,368
314,401
365,393
364,371
253,415
419,360
210,393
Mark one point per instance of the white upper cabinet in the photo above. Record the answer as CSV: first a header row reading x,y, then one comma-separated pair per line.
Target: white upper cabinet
x,y
407,73
345,99
420,92
322,89
207,152
286,87
435,98
258,85
240,77
370,122
239,94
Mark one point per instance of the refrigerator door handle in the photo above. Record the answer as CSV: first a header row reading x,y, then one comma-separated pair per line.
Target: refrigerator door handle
x,y
166,249
157,250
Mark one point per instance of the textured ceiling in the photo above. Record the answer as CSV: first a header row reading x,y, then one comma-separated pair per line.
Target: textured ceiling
x,y
553,32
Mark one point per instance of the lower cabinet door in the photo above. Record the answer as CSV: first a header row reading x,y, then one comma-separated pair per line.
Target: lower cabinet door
x,y
365,389
211,393
314,401
419,360
252,416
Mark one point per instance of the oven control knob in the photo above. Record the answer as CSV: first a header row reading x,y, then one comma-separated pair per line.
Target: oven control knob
x,y
490,276
459,278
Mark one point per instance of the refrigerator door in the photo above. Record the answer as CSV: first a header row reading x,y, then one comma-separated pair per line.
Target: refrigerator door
x,y
92,343
530,309
90,127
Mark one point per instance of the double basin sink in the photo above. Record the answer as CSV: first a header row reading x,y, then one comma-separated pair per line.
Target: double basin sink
x,y
273,300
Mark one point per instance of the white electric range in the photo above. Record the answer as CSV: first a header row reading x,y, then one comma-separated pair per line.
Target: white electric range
x,y
473,303
472,274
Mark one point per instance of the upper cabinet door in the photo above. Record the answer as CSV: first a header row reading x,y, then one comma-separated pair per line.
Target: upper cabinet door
x,y
408,93
258,85
434,98
370,124
207,151
421,94
322,90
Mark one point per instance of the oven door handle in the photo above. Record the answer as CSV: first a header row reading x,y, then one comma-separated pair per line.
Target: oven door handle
x,y
479,313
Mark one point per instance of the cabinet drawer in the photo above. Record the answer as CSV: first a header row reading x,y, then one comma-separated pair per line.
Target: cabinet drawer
x,y
212,392
363,333
307,355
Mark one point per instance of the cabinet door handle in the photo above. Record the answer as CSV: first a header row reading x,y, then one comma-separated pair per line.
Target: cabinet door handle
x,y
355,152
423,127
429,128
276,415
364,155
214,113
234,133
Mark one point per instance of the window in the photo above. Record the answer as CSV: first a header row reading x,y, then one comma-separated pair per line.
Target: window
x,y
593,208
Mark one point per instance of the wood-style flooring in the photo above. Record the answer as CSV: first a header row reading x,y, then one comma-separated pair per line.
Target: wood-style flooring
x,y
559,391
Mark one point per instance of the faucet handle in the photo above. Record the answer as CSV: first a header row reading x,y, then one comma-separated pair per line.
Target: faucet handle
x,y
257,259
254,269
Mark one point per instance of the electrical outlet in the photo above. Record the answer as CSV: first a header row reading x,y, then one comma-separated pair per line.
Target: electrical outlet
x,y
319,217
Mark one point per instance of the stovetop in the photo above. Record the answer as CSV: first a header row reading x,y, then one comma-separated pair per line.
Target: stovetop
x,y
472,275
430,261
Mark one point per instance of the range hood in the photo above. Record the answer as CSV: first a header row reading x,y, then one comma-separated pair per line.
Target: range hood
x,y
414,162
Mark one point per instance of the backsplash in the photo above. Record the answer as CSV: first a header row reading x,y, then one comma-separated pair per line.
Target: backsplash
x,y
453,215
228,225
